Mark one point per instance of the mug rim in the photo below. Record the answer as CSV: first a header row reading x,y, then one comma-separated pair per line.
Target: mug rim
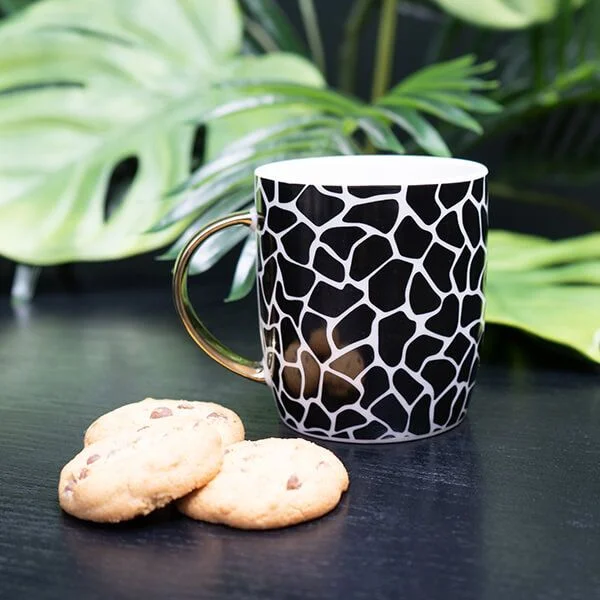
x,y
372,170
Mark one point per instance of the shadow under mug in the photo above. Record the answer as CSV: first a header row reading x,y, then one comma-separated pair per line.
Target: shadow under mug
x,y
370,274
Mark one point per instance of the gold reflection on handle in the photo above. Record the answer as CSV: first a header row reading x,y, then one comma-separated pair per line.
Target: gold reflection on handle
x,y
200,334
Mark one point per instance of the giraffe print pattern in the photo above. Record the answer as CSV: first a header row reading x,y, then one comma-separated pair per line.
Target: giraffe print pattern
x,y
371,305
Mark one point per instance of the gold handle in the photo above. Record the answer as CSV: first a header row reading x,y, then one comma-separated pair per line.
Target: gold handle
x,y
194,326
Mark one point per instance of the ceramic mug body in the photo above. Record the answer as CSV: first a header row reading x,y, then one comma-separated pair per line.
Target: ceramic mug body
x,y
370,275
371,295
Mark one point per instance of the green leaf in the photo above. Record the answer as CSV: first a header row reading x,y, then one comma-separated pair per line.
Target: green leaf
x,y
230,171
222,205
515,252
279,130
548,289
504,14
326,100
422,131
86,87
564,314
215,248
276,24
441,110
456,74
245,271
8,7
380,135
282,67
472,102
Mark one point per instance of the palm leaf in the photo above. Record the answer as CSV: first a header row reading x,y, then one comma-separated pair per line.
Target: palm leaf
x,y
551,94
334,126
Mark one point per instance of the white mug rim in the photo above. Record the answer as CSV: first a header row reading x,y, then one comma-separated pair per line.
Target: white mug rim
x,y
372,170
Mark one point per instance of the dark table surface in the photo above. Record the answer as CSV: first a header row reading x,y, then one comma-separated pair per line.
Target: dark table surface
x,y
505,506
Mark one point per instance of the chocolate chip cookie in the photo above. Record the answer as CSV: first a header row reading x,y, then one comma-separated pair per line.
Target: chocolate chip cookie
x,y
150,411
134,472
268,484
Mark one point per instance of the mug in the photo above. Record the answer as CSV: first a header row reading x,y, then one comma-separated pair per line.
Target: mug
x,y
370,274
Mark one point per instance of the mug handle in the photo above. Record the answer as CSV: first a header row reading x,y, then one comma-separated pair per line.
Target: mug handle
x,y
199,333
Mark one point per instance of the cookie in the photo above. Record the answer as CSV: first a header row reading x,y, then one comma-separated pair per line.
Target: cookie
x,y
150,411
135,472
268,484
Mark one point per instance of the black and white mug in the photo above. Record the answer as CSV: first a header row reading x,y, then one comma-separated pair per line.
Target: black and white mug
x,y
370,275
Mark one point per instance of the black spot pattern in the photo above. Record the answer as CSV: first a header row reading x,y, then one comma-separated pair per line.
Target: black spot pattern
x,y
438,263
420,349
421,198
368,255
423,298
300,280
342,239
390,410
381,217
333,301
449,230
411,239
328,266
296,243
387,288
370,303
316,207
394,332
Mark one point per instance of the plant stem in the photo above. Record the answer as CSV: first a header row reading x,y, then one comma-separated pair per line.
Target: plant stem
x,y
24,283
313,34
260,35
384,57
349,49
565,26
443,40
537,56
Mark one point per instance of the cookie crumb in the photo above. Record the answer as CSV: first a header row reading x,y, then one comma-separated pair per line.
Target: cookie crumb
x,y
185,406
161,412
293,483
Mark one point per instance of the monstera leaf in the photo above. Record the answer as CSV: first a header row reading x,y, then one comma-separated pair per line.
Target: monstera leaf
x,y
505,14
99,105
548,289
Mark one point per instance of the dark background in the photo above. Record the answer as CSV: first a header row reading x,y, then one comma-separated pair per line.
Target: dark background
x,y
412,38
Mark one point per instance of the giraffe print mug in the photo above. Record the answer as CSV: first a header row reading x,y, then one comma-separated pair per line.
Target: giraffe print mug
x,y
370,274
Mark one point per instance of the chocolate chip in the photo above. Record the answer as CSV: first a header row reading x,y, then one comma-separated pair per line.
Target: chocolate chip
x,y
92,459
216,415
83,473
293,483
161,412
185,406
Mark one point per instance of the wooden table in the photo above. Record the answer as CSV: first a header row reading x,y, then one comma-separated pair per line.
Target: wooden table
x,y
505,506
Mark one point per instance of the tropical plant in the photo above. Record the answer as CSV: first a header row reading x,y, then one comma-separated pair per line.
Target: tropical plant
x,y
125,126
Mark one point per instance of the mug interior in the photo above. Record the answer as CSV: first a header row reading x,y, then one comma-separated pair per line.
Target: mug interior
x,y
386,170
